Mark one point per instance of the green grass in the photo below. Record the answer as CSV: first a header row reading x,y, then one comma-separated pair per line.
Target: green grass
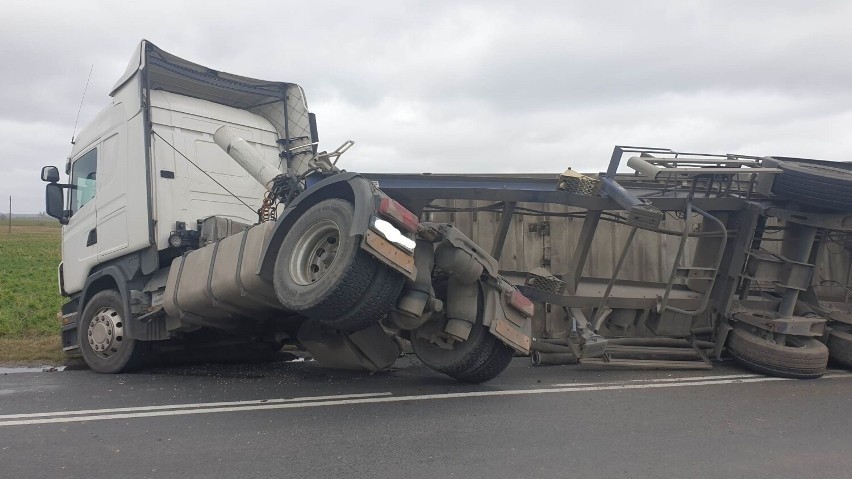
x,y
35,350
43,222
29,294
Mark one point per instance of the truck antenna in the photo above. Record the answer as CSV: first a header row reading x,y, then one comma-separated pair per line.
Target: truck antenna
x,y
86,88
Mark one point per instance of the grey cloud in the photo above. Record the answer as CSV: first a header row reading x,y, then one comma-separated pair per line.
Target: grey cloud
x,y
479,86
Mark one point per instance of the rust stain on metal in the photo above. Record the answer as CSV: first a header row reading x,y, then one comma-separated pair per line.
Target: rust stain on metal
x,y
505,330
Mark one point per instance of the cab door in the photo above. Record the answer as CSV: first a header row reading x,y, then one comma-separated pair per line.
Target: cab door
x,y
80,236
111,201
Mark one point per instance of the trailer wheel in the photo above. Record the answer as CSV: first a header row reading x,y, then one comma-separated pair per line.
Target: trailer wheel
x,y
799,358
101,336
815,185
840,347
480,358
321,271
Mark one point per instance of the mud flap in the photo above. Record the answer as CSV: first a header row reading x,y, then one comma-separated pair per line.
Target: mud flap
x,y
508,325
370,349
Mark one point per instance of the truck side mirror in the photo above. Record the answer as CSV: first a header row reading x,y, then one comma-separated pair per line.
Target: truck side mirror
x,y
55,201
50,174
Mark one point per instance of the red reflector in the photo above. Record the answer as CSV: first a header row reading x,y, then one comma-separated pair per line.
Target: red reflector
x,y
401,216
521,303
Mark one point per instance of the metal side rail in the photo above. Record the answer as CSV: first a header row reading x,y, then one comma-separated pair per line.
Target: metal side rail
x,y
416,190
633,353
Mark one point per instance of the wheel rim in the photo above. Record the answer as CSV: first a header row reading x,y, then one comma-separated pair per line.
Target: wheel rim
x,y
106,333
315,252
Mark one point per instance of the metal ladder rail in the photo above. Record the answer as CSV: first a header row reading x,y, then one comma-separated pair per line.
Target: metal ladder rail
x,y
663,305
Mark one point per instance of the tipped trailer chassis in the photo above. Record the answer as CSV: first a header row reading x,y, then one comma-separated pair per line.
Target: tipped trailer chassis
x,y
763,307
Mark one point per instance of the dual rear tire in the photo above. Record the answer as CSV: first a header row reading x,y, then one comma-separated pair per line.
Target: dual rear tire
x,y
479,358
322,273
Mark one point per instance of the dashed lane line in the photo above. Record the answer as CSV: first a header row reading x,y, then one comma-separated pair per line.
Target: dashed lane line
x,y
191,405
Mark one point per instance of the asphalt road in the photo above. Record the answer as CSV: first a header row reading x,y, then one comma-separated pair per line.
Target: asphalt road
x,y
293,419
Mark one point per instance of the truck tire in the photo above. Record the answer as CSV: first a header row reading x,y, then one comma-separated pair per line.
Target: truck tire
x,y
799,358
840,347
478,359
815,185
321,271
101,336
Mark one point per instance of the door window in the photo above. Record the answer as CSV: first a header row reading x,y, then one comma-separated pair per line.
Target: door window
x,y
83,177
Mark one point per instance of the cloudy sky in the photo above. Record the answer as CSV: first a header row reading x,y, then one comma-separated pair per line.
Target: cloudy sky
x,y
490,86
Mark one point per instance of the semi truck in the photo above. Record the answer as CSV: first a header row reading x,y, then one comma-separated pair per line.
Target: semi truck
x,y
199,210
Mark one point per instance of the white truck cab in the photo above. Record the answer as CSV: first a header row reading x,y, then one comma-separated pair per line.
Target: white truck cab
x,y
198,206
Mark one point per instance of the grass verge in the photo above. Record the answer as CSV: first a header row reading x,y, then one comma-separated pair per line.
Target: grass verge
x,y
29,297
37,349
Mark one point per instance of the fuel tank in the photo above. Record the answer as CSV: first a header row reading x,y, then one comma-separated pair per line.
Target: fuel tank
x,y
220,282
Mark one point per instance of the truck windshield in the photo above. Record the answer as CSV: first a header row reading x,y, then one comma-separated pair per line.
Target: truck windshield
x,y
83,177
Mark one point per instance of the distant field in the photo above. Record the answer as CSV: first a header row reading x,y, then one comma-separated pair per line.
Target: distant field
x,y
29,297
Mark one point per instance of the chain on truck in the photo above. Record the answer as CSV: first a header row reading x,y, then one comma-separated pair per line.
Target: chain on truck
x,y
200,212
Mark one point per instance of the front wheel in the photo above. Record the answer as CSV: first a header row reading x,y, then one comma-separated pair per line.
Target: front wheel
x,y
102,338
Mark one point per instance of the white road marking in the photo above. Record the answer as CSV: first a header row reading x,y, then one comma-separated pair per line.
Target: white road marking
x,y
396,399
192,405
668,380
829,373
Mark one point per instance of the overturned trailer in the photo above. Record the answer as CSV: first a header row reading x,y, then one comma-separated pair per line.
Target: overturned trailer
x,y
747,234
